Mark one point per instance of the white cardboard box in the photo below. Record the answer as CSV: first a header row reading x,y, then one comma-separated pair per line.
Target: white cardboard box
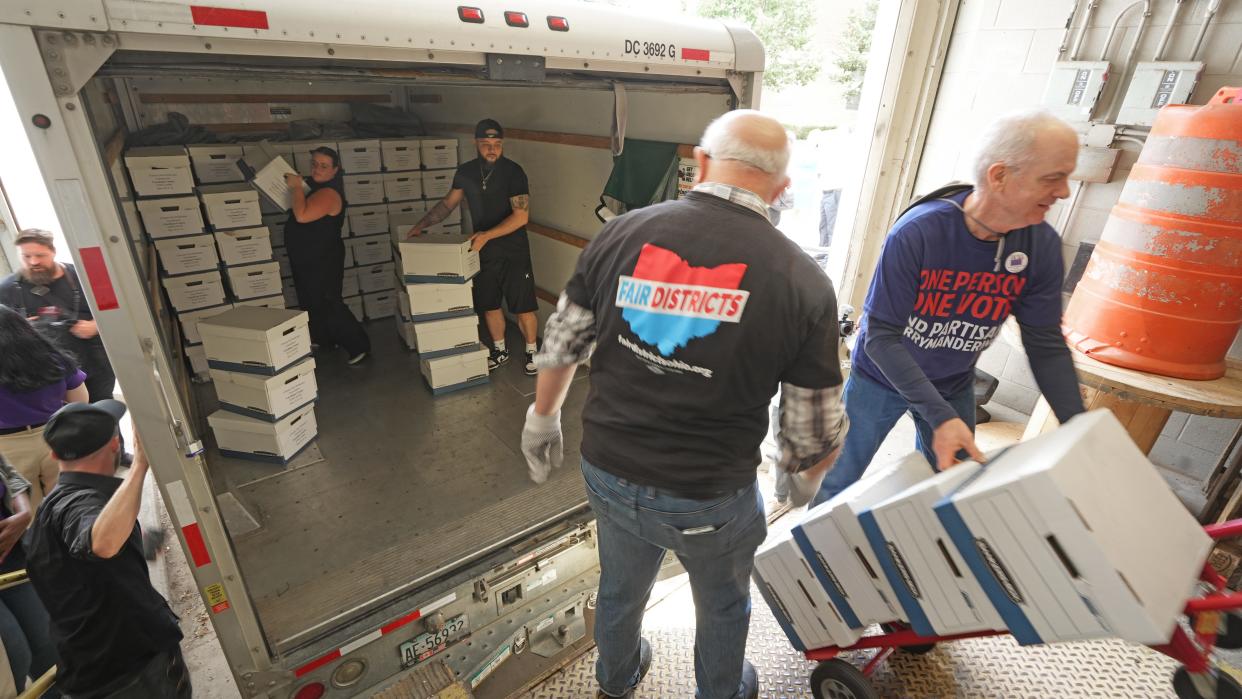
x,y
834,543
1074,534
267,398
159,171
376,278
380,304
371,250
256,340
455,371
189,321
403,216
439,152
401,154
276,301
231,205
216,162
349,282
438,259
243,246
403,186
367,220
405,328
354,303
364,189
243,437
260,153
800,606
937,590
349,256
276,229
360,155
197,357
302,156
437,338
171,217
255,281
281,255
437,183
190,292
445,228
196,253
436,301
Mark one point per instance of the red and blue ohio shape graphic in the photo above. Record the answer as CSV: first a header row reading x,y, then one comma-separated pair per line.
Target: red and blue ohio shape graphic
x,y
667,302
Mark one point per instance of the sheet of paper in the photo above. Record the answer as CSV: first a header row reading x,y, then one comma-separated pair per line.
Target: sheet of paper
x,y
270,181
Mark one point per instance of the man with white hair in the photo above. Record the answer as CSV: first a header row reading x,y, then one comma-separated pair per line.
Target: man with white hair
x,y
697,309
952,269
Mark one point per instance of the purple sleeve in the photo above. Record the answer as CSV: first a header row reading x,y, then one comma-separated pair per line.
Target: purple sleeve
x,y
1040,303
895,286
72,382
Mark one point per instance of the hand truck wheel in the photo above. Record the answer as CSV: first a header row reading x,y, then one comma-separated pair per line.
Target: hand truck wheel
x,y
1186,686
921,649
837,679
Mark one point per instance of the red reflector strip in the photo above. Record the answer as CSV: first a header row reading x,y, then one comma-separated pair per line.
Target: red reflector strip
x,y
228,17
97,276
696,55
316,664
516,19
398,623
558,24
198,547
470,14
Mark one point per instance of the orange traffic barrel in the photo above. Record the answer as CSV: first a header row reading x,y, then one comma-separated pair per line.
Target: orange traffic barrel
x,y
1162,292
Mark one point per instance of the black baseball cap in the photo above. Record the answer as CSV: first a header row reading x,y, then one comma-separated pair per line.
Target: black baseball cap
x,y
81,429
488,128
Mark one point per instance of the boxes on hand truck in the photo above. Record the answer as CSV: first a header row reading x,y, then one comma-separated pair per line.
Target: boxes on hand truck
x,y
437,338
256,340
439,259
454,372
1075,535
267,398
435,301
801,607
838,551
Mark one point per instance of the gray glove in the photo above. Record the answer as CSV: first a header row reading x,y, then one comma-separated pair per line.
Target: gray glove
x,y
542,443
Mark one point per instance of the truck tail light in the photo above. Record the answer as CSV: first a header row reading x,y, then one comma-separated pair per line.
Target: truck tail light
x,y
558,24
314,690
473,15
516,19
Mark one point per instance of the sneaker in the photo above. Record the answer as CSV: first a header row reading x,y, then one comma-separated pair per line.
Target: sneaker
x,y
644,664
358,358
531,369
750,681
497,358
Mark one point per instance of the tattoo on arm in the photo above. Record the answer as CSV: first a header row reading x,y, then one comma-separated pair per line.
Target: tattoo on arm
x,y
437,214
520,203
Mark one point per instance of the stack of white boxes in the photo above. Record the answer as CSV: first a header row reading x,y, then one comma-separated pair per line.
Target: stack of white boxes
x,y
365,245
1069,536
260,363
244,242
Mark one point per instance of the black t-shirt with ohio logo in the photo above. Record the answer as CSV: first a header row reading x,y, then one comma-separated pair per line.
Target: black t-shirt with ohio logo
x,y
489,204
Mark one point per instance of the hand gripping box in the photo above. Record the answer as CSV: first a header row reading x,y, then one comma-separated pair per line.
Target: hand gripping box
x,y
216,162
803,610
243,437
437,338
379,305
440,259
267,398
455,371
364,189
360,155
189,321
231,205
403,186
159,171
371,250
243,246
171,216
932,582
255,281
436,301
438,152
402,216
834,543
256,340
1074,535
401,154
375,278
303,154
367,220
437,183
196,253
190,292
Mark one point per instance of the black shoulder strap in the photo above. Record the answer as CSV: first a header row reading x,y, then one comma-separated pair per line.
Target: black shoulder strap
x,y
944,192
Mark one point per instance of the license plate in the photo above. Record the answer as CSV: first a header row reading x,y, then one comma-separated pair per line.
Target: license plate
x,y
429,644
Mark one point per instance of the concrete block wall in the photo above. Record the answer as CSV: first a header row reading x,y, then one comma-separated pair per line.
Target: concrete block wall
x,y
999,60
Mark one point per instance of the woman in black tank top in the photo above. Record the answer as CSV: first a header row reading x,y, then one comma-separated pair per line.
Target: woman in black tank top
x,y
317,254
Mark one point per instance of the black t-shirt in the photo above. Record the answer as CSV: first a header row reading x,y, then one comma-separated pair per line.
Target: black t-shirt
x,y
490,205
106,619
64,294
702,308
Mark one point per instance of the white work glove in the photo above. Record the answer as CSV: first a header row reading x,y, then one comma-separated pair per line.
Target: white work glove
x,y
542,443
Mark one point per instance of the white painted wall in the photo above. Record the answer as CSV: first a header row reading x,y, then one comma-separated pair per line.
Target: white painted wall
x,y
999,60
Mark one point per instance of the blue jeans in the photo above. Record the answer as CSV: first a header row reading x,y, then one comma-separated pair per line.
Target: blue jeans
x,y
26,630
873,410
715,540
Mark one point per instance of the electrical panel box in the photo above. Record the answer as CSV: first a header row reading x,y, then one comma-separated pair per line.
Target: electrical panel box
x,y
1074,89
1154,85
1095,164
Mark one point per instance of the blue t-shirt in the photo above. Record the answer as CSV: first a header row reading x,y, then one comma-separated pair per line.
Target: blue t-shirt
x,y
943,285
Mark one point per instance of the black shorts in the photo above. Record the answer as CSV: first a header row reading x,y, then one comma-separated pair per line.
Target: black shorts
x,y
508,278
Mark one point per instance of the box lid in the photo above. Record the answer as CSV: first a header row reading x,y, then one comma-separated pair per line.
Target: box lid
x,y
225,420
157,156
246,320
261,381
